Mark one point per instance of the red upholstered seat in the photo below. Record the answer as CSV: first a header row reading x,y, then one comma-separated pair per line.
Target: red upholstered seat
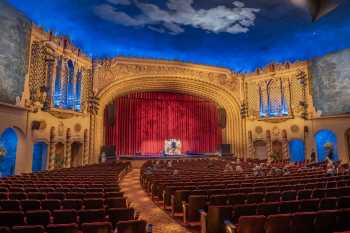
x,y
289,206
252,224
268,208
37,195
38,217
30,205
343,222
120,214
17,195
303,222
64,216
328,203
92,215
96,203
326,221
115,202
62,228
97,227
5,230
72,204
279,223
51,204
272,196
134,226
55,195
11,218
10,205
304,194
28,229
289,196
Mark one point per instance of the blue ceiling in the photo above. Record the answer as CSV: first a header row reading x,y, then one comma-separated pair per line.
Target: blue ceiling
x,y
240,35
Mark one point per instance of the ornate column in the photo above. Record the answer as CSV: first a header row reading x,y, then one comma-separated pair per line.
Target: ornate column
x,y
86,147
52,149
268,146
285,150
251,149
68,154
63,80
53,74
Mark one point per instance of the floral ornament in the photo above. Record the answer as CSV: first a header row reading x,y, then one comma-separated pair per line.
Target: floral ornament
x,y
328,146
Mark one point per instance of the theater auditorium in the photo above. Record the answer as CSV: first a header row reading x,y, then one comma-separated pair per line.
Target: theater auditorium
x,y
174,116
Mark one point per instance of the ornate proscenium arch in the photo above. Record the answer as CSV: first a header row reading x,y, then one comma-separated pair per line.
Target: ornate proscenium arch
x,y
118,77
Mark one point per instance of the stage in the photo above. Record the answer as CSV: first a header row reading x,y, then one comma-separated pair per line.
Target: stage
x,y
167,157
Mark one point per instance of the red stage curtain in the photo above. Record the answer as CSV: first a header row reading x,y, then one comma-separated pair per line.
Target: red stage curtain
x,y
142,121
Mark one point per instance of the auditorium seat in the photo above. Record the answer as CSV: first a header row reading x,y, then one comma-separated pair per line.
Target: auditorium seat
x,y
72,204
17,195
195,203
289,196
74,195
343,222
272,196
309,205
28,229
116,202
134,226
113,194
38,217
120,214
252,224
268,208
303,222
91,215
279,223
55,195
97,227
254,198
289,206
218,200
304,194
64,216
325,221
4,196
236,199
216,217
10,205
344,202
93,203
30,205
94,195
11,218
51,204
329,203
62,228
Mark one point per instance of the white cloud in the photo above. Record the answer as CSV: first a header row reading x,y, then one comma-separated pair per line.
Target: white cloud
x,y
180,13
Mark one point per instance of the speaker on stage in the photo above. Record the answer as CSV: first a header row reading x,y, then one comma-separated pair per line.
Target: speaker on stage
x,y
222,118
109,151
225,149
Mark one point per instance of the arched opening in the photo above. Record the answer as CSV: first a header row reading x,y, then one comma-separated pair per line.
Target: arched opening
x,y
59,156
297,150
260,149
233,133
347,138
326,143
140,123
69,101
40,150
57,97
77,154
277,150
78,92
8,143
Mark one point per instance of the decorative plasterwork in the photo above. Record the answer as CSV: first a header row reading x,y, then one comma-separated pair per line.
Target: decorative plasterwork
x,y
109,71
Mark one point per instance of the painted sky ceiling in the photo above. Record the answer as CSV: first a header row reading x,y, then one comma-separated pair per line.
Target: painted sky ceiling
x,y
240,35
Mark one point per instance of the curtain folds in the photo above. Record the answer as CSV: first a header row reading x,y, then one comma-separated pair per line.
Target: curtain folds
x,y
140,122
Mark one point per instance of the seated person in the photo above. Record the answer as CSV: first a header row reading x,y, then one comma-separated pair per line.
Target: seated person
x,y
228,168
239,169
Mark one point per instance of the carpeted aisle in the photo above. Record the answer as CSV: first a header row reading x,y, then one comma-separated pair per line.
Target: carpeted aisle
x,y
142,203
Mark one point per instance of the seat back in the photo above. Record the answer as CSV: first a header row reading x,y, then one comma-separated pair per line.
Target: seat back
x,y
278,223
97,227
28,229
252,224
217,215
134,226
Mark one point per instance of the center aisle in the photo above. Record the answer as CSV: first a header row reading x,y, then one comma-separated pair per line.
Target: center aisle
x,y
162,223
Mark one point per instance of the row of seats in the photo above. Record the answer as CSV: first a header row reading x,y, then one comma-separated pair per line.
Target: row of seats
x,y
44,217
327,221
84,199
201,192
54,204
95,227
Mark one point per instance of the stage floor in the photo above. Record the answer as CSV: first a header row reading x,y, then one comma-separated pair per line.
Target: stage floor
x,y
151,157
